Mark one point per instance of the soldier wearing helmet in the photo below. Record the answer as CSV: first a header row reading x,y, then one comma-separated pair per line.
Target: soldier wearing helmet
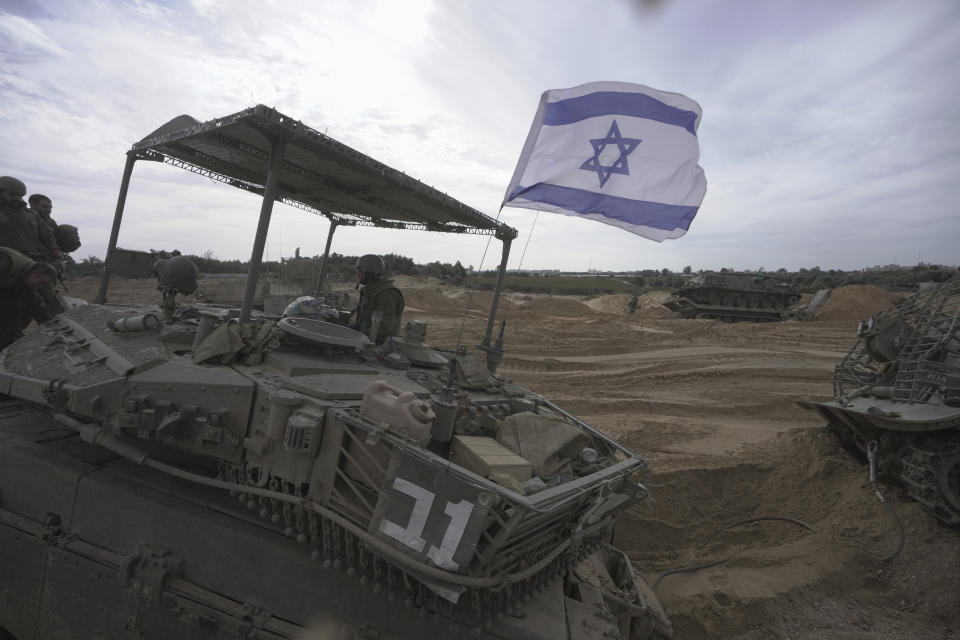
x,y
378,294
66,236
21,228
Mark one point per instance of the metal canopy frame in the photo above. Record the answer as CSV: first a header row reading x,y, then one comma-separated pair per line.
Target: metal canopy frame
x,y
267,153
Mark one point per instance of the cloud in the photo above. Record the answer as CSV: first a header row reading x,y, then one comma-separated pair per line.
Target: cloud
x,y
829,131
24,42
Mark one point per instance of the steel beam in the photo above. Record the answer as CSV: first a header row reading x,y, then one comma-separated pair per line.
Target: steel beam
x,y
501,274
115,230
326,256
278,145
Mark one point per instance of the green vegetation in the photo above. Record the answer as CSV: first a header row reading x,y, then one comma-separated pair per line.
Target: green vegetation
x,y
341,269
557,284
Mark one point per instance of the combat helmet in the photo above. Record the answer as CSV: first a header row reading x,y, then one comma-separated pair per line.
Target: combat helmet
x,y
178,272
371,263
68,237
9,183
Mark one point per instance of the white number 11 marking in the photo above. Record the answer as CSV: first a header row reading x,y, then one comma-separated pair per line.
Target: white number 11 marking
x,y
412,534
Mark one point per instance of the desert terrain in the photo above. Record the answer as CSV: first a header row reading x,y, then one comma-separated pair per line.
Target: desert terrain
x,y
712,407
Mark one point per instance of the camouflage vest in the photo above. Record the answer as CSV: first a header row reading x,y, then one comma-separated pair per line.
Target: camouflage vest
x,y
22,230
384,296
13,265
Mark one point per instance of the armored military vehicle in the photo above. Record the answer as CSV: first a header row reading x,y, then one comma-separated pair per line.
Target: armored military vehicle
x,y
734,296
179,471
897,397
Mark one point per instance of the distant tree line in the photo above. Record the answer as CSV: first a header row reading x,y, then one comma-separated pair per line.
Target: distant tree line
x,y
342,267
339,267
892,277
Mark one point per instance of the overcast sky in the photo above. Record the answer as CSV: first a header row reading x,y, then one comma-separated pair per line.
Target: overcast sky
x,y
830,133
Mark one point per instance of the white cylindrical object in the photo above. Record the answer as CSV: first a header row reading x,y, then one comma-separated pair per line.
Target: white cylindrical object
x,y
144,322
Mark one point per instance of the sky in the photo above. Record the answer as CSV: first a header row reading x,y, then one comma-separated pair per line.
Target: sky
x,y
830,133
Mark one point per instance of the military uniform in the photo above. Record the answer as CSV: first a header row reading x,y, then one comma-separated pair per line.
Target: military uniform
x,y
14,295
22,229
46,220
381,295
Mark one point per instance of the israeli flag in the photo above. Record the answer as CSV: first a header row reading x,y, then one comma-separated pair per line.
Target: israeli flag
x,y
615,152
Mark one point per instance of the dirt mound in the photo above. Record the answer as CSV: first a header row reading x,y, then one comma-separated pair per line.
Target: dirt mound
x,y
855,302
649,305
835,542
557,306
477,299
406,282
428,298
619,303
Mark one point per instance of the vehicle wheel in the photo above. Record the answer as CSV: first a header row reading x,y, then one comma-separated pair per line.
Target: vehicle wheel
x,y
728,301
753,303
766,303
741,302
715,300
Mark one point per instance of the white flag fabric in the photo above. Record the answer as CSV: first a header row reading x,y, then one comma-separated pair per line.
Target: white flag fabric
x,y
615,152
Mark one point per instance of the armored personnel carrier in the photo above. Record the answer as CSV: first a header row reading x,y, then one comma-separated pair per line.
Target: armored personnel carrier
x,y
897,397
733,296
178,471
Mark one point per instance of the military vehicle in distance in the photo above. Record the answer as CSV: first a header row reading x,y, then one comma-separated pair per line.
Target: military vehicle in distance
x,y
208,472
733,296
897,397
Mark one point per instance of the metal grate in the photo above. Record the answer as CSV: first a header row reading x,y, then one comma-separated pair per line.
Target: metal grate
x,y
921,333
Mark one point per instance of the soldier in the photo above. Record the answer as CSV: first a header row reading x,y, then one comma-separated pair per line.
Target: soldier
x,y
378,294
21,228
66,236
42,205
20,280
633,304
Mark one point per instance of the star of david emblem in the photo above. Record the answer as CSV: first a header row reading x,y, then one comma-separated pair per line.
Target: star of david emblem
x,y
624,145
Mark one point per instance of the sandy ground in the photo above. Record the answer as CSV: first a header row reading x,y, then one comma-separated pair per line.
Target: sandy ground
x,y
711,406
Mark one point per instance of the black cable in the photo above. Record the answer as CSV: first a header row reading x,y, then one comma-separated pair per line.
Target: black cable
x,y
896,518
696,567
715,563
757,519
783,518
873,447
795,521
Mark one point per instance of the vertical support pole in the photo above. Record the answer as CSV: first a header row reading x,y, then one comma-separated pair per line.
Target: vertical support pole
x,y
501,274
115,230
326,256
278,145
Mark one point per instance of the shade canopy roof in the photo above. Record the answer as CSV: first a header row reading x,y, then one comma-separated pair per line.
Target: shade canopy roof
x,y
318,174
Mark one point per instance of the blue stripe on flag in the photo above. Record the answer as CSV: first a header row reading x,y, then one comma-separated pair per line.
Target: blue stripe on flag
x,y
605,103
636,212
